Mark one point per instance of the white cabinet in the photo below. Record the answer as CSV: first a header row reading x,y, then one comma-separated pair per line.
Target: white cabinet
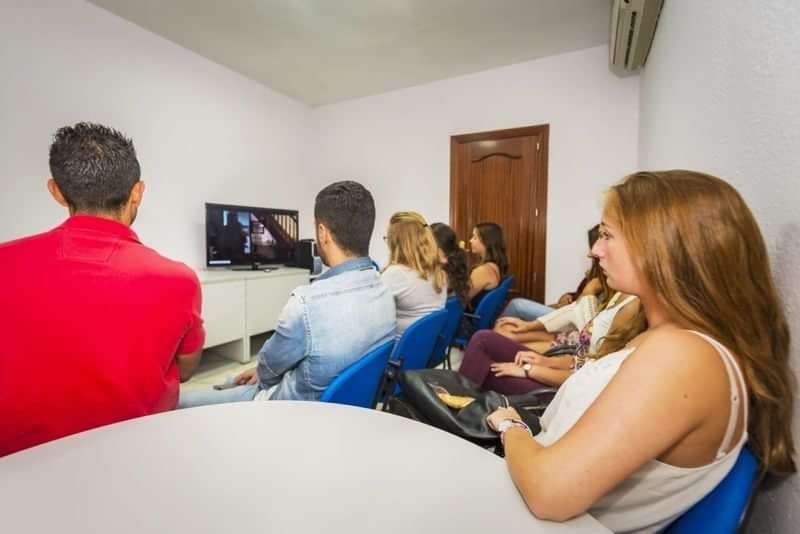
x,y
266,298
241,304
224,312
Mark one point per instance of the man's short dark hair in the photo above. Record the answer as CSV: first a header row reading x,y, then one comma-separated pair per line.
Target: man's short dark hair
x,y
95,167
348,211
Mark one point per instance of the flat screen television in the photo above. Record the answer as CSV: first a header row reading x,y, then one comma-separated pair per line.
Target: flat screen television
x,y
244,236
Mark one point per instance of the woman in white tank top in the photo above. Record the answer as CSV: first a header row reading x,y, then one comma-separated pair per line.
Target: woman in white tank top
x,y
640,435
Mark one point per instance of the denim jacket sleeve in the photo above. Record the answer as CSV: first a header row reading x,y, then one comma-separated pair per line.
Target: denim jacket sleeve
x,y
287,346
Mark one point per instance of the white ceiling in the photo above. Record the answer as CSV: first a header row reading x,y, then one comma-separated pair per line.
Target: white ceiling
x,y
325,51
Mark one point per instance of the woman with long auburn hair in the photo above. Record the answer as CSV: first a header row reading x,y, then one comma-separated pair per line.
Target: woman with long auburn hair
x,y
640,435
414,274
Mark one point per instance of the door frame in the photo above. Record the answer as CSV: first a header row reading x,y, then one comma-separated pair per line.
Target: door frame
x,y
540,190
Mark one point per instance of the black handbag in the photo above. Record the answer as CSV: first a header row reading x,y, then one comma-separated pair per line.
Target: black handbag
x,y
419,400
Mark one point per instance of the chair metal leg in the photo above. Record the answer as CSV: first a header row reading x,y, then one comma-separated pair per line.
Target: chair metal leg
x,y
388,382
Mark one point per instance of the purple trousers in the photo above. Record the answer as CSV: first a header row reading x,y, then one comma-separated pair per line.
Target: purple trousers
x,y
487,347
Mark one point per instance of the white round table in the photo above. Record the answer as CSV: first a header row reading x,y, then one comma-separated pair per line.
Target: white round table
x,y
272,467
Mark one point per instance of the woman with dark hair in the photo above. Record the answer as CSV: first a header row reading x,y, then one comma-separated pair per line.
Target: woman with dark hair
x,y
494,362
488,244
454,260
561,324
530,310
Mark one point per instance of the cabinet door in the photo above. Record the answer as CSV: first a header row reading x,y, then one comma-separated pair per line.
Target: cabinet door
x,y
266,298
223,312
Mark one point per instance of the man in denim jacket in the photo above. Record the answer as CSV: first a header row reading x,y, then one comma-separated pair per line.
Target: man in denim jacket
x,y
328,325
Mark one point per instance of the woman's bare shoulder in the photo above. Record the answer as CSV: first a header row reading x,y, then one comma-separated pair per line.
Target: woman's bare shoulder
x,y
488,271
674,348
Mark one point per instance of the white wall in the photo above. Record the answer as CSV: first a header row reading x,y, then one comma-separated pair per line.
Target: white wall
x,y
202,132
398,143
720,94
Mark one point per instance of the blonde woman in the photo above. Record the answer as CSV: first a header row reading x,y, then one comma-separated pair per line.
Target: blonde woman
x,y
414,274
640,435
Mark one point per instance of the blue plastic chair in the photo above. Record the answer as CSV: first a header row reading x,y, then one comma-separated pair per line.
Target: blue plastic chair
x,y
506,286
441,351
358,384
723,510
488,309
415,346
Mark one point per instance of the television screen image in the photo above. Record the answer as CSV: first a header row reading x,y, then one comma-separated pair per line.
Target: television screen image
x,y
240,235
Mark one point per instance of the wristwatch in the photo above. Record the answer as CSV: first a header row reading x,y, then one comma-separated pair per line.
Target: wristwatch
x,y
527,367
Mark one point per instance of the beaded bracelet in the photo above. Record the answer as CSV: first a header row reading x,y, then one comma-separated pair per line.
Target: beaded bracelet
x,y
507,424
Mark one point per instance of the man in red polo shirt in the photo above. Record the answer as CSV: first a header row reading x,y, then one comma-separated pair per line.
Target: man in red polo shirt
x,y
95,327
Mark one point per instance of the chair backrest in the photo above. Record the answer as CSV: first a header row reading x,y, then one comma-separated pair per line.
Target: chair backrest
x,y
358,384
455,310
507,281
416,344
722,510
489,307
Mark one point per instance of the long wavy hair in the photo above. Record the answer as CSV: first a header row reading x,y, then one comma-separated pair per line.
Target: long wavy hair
x,y
699,247
411,243
456,266
622,334
491,235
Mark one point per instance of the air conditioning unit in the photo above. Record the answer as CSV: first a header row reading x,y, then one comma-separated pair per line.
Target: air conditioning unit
x,y
633,24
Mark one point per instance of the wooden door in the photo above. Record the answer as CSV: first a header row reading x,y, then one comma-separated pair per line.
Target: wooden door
x,y
501,177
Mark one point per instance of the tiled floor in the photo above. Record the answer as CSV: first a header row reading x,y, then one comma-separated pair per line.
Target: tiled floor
x,y
215,369
456,355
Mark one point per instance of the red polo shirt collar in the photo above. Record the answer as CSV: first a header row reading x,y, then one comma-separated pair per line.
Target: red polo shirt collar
x,y
100,224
